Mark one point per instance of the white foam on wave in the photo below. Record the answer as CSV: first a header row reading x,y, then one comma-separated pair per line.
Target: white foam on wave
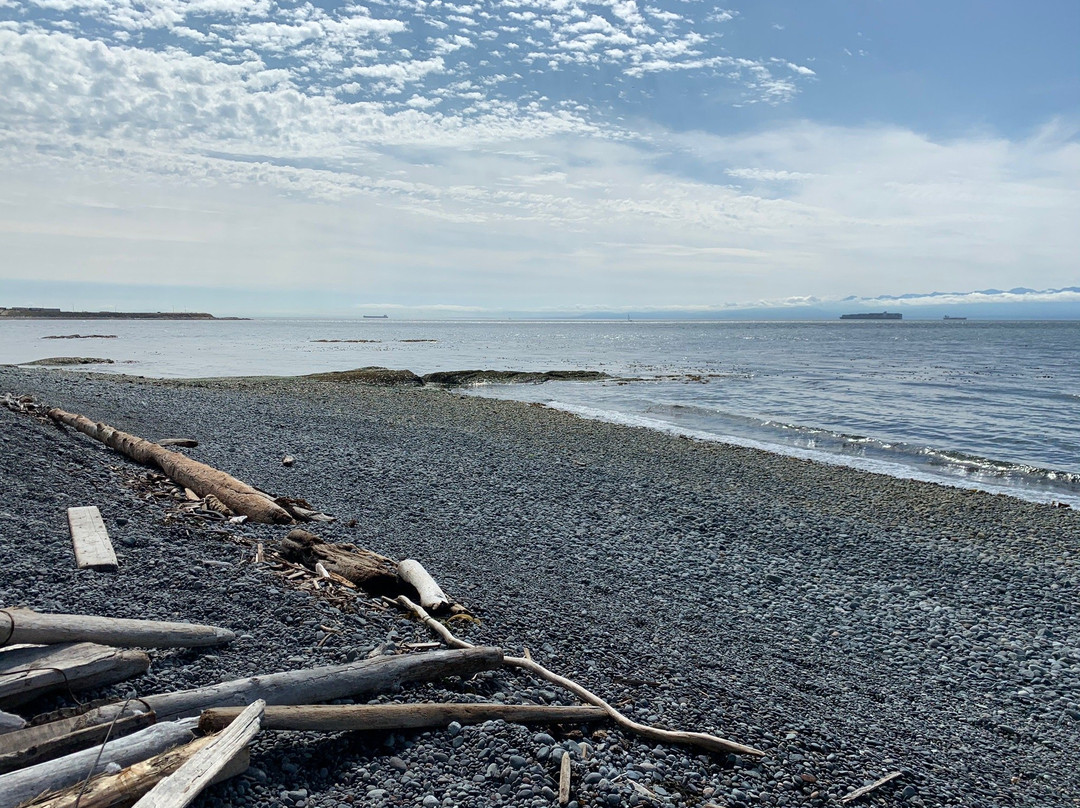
x,y
874,465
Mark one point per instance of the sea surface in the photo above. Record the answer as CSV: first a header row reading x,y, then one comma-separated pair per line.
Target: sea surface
x,y
979,404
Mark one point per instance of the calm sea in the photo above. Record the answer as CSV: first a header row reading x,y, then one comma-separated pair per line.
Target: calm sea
x,y
991,405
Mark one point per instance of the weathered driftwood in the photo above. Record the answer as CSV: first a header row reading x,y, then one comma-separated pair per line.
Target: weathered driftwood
x,y
564,779
701,740
431,595
26,784
345,717
371,571
123,788
93,549
204,480
35,744
9,722
28,671
862,792
26,626
325,684
185,784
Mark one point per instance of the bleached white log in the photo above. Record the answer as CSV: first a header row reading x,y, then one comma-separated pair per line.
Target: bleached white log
x,y
9,722
93,549
182,786
431,595
45,628
33,781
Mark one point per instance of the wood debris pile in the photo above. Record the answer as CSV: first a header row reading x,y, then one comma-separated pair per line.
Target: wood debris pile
x,y
68,760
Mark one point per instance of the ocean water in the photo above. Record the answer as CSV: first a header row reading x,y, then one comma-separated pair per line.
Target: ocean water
x,y
980,404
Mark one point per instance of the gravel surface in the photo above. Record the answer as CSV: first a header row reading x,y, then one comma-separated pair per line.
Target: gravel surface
x,y
849,624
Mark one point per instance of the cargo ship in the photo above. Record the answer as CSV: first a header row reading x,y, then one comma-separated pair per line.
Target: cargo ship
x,y
873,315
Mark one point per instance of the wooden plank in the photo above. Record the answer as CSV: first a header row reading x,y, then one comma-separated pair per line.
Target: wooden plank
x,y
27,672
93,550
27,626
184,785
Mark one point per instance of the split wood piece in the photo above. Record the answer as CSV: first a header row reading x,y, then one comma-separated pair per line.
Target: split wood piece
x,y
35,744
28,671
711,743
564,779
93,549
347,717
9,722
862,792
314,685
46,628
413,573
375,573
27,784
186,783
123,788
204,480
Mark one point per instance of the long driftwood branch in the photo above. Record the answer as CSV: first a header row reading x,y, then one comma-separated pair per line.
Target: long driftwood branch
x,y
711,743
345,717
204,480
200,770
123,788
28,671
27,626
327,683
26,784
62,737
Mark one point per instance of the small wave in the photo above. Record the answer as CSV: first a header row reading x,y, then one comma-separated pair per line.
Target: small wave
x,y
894,460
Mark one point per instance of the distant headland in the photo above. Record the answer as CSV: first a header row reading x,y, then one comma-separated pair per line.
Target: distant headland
x,y
34,313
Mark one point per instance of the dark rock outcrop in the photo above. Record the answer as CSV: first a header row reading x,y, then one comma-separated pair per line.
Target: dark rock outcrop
x,y
381,377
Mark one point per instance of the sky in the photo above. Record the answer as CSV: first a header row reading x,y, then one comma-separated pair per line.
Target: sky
x,y
432,158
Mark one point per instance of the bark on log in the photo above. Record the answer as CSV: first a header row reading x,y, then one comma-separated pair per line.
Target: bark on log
x,y
186,783
26,626
375,573
347,717
204,480
123,788
27,784
28,671
710,742
33,745
413,573
325,684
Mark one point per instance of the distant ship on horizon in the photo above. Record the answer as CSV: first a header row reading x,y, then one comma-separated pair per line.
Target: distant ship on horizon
x,y
376,316
947,317
873,315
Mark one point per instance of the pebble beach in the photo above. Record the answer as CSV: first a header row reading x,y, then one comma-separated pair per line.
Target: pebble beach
x,y
849,624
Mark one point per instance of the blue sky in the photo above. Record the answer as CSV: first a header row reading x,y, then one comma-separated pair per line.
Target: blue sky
x,y
467,158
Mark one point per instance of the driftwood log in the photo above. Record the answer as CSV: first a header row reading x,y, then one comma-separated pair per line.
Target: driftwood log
x,y
28,671
374,573
9,722
29,783
201,769
314,685
346,717
699,739
35,744
204,480
123,788
26,626
431,595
